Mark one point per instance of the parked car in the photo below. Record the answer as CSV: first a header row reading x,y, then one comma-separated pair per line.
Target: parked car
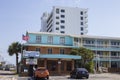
x,y
41,72
7,68
79,73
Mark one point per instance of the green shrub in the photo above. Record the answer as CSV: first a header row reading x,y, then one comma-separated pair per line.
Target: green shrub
x,y
89,66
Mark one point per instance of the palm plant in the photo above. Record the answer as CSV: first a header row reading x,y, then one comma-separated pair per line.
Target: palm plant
x,y
15,48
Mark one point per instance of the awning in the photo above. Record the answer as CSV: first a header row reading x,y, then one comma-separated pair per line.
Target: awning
x,y
58,56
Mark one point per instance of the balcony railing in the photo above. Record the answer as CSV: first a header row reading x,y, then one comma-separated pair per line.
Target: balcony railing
x,y
107,58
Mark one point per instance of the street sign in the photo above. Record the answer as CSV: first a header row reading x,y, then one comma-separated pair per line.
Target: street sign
x,y
31,61
31,54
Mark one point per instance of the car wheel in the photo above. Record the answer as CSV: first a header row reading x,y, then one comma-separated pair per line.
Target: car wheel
x,y
87,77
47,77
36,78
71,76
76,77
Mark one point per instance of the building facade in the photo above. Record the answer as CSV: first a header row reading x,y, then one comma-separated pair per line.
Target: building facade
x,y
55,50
54,53
68,20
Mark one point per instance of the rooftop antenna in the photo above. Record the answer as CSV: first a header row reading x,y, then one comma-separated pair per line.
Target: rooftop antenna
x,y
77,2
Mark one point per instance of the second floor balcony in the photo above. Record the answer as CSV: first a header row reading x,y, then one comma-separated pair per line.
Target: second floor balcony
x,y
106,58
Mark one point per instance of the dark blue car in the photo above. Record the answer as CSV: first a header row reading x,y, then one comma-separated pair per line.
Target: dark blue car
x,y
79,73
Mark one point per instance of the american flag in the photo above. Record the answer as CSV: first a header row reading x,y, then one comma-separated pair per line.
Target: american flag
x,y
25,37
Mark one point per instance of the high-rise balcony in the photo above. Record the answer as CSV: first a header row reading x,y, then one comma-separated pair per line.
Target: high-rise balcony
x,y
86,20
86,25
86,15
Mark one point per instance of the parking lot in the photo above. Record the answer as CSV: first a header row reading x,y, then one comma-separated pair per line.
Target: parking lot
x,y
102,76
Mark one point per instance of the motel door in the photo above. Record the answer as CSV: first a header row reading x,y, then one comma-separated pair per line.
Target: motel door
x,y
30,70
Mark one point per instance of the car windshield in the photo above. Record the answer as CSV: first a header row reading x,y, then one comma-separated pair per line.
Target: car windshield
x,y
81,69
41,68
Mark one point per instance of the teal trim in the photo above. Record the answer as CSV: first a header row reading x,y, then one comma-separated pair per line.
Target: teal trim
x,y
59,56
49,45
103,59
103,49
68,40
32,38
106,59
56,40
44,38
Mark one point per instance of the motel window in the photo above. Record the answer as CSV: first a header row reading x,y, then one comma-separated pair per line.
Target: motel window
x,y
61,51
50,51
57,17
81,18
62,31
76,40
114,64
100,43
57,11
81,33
57,23
81,12
62,16
115,43
113,53
89,41
100,53
50,39
37,49
81,28
38,39
62,10
62,21
62,40
62,27
57,28
81,23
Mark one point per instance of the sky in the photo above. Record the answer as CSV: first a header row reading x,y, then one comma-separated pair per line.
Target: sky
x,y
19,16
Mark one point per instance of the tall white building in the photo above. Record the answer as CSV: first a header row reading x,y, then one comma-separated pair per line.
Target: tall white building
x,y
68,20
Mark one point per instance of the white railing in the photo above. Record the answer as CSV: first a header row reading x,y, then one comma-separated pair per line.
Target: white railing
x,y
107,57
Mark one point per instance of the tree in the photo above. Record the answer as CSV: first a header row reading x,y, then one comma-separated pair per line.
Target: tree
x,y
86,56
15,48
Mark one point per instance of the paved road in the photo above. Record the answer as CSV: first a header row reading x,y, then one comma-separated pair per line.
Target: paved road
x,y
103,76
8,77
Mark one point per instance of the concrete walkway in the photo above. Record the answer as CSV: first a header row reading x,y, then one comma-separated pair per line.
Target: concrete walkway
x,y
2,72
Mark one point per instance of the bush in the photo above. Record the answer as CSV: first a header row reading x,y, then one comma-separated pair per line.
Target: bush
x,y
89,66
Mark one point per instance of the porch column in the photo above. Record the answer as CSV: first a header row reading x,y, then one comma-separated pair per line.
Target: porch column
x,y
59,66
72,64
109,59
45,63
